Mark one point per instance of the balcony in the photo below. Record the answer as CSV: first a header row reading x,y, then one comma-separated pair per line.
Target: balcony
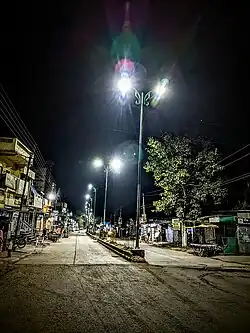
x,y
13,152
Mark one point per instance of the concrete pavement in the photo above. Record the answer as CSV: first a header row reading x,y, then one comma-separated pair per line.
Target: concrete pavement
x,y
170,258
100,292
76,250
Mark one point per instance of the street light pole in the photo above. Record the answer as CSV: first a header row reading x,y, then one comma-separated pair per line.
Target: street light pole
x,y
94,203
106,170
142,100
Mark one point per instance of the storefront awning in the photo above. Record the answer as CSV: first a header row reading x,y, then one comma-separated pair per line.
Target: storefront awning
x,y
228,219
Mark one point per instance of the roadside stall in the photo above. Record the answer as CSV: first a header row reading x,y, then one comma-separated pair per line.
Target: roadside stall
x,y
205,240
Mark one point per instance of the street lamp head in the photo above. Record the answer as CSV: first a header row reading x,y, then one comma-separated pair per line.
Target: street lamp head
x,y
115,164
87,196
97,163
124,85
161,88
90,186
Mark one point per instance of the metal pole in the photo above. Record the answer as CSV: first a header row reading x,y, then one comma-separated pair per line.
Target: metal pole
x,y
22,201
94,222
105,194
94,202
138,206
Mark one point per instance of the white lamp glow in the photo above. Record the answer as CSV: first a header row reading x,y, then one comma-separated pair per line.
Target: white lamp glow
x,y
87,196
90,186
124,85
116,164
97,163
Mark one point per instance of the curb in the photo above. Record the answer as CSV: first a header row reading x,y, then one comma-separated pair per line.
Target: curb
x,y
207,268
232,262
111,248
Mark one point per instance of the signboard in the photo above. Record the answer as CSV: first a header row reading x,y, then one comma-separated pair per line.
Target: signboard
x,y
243,215
38,202
244,221
176,224
10,181
214,219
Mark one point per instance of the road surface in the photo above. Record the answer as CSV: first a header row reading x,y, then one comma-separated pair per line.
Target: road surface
x,y
80,286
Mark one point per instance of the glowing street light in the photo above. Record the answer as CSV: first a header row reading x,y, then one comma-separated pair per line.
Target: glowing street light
x,y
124,85
87,196
98,162
114,165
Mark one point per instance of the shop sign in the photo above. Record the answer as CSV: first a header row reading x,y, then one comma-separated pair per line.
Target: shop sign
x,y
176,224
214,219
10,181
38,202
244,221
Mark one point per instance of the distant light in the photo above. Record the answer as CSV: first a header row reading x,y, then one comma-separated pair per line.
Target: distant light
x,y
90,186
87,196
51,196
124,85
97,163
116,164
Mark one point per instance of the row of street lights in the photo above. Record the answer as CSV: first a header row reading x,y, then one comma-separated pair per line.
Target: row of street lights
x,y
114,165
125,86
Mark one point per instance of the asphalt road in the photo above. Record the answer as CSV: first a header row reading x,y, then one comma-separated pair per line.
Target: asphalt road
x,y
80,286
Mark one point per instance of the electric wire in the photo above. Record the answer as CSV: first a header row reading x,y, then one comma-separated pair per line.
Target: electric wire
x,y
14,126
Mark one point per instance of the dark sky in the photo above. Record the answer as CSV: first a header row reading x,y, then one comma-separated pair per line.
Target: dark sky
x,y
54,65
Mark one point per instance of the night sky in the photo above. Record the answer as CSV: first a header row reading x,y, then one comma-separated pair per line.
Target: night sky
x,y
56,70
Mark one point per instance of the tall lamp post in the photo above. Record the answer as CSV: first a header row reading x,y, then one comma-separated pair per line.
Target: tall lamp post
x,y
91,187
114,165
143,100
89,208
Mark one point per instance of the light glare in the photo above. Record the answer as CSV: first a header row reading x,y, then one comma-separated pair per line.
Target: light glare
x,y
90,186
97,163
124,85
116,164
87,196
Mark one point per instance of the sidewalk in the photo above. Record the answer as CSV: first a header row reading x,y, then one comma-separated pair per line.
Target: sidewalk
x,y
171,258
19,254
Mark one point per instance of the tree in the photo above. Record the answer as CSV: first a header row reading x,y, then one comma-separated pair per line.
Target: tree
x,y
188,172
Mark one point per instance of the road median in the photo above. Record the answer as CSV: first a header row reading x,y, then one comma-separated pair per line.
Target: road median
x,y
132,255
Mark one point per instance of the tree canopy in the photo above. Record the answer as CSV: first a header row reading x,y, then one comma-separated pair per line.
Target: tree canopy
x,y
188,172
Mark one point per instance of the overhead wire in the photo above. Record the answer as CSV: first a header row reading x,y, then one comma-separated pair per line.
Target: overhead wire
x,y
16,125
238,159
235,179
18,118
237,151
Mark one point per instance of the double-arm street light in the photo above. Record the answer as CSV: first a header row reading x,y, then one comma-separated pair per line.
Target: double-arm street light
x,y
114,165
142,99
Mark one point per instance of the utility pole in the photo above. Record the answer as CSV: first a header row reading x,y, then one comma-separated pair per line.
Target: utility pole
x,y
22,201
120,221
105,193
143,208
